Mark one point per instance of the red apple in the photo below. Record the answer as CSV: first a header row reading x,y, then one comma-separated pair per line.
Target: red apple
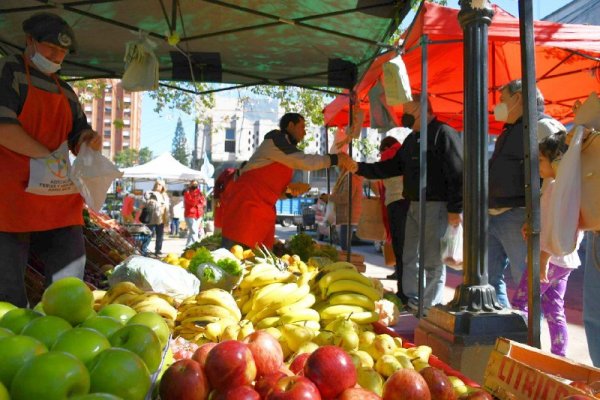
x,y
358,394
583,386
331,369
236,393
287,371
230,364
573,397
294,388
266,351
406,384
297,365
483,395
439,385
202,352
265,383
184,380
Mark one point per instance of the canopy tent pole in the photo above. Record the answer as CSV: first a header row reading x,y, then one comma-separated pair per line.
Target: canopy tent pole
x,y
328,175
422,174
532,185
351,102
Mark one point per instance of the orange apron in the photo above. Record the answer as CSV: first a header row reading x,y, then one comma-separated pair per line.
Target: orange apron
x,y
249,215
47,118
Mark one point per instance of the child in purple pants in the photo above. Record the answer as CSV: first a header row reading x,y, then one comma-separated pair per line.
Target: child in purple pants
x,y
554,270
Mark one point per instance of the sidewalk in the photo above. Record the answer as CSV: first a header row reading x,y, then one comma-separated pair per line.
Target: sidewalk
x,y
577,349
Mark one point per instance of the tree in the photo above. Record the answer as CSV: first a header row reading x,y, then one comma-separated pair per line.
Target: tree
x,y
179,148
130,157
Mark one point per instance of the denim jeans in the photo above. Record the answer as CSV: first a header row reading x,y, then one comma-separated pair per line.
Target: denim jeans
x,y
505,244
174,227
193,225
436,223
397,211
61,251
591,299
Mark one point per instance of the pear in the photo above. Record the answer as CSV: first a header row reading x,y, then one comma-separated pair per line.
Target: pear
x,y
365,339
420,364
361,359
307,347
382,345
345,336
296,335
324,338
370,379
404,360
387,364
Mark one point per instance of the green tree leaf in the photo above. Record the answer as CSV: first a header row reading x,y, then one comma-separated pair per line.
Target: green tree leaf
x,y
179,149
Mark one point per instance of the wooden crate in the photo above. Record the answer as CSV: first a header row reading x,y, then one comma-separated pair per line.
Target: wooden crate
x,y
517,371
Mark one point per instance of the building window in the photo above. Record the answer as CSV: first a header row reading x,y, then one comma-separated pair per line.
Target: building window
x,y
125,133
230,140
107,133
108,110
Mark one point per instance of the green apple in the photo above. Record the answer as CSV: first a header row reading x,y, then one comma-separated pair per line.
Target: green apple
x,y
155,322
46,329
83,343
103,324
96,396
120,372
15,351
142,341
51,376
4,392
120,312
16,319
69,298
4,332
5,306
39,307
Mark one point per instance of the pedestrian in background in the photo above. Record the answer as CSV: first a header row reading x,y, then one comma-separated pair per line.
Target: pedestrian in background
x,y
157,203
174,213
193,203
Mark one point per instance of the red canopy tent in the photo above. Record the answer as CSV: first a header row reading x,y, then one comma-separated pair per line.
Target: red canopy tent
x,y
567,60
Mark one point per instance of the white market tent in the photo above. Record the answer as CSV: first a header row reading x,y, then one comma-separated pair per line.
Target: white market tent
x,y
165,167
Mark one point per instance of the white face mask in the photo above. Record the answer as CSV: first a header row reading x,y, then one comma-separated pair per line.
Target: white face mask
x,y
43,64
501,112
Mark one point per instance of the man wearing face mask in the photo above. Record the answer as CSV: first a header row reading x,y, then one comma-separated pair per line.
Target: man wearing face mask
x,y
193,205
443,202
38,113
507,187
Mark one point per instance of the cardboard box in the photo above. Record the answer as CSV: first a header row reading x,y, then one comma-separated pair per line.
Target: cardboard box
x,y
518,371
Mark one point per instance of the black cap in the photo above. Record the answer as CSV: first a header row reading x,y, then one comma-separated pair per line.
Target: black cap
x,y
48,27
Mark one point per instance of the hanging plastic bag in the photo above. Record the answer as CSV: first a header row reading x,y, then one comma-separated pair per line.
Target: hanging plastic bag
x,y
566,199
49,176
396,83
588,114
452,247
141,65
381,115
93,174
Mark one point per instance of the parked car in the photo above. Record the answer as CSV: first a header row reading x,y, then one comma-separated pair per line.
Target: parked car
x,y
289,211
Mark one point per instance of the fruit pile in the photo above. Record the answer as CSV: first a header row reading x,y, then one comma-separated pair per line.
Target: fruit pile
x,y
64,349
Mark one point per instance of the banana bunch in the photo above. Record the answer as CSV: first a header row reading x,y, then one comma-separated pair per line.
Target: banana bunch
x,y
212,315
346,293
127,293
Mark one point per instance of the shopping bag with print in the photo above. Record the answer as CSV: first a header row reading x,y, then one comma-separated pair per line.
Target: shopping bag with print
x,y
49,176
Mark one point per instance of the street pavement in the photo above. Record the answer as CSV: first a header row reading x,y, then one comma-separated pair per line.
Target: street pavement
x,y
577,349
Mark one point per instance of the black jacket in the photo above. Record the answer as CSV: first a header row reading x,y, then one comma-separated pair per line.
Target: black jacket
x,y
507,169
444,166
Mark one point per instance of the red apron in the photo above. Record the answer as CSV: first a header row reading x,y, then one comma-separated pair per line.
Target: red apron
x,y
249,215
47,118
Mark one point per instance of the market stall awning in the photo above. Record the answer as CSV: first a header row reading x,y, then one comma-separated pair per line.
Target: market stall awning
x,y
165,167
567,64
314,43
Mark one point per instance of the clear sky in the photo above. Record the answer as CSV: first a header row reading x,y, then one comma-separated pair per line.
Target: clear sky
x,y
158,130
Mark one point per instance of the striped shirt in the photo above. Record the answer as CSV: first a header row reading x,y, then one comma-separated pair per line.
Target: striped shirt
x,y
14,88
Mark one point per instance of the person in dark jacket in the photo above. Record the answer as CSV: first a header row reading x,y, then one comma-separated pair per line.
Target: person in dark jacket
x,y
443,202
506,201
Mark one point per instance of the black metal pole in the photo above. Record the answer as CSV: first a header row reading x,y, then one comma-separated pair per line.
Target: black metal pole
x,y
475,294
532,186
422,173
352,101
328,177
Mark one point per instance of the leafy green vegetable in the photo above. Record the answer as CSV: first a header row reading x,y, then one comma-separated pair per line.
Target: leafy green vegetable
x,y
328,251
208,275
302,245
389,296
202,256
230,266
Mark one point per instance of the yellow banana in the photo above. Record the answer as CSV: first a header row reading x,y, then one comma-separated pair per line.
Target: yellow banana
x,y
168,313
352,299
163,296
261,267
219,297
333,312
246,328
305,302
231,332
199,321
214,330
335,266
339,274
268,322
347,285
247,306
257,314
98,295
209,309
119,289
264,291
314,325
128,298
365,317
306,314
265,278
286,294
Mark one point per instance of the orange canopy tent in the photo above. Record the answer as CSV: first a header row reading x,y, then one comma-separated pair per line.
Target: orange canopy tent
x,y
567,58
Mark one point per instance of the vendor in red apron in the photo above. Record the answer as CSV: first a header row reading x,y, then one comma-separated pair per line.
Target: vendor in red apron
x,y
41,119
249,214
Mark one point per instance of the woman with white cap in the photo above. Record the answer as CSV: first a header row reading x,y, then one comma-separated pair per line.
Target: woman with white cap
x,y
157,203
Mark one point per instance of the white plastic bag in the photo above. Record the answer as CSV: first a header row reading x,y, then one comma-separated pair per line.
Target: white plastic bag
x,y
329,216
452,247
588,113
49,176
396,82
153,275
93,174
141,66
566,199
